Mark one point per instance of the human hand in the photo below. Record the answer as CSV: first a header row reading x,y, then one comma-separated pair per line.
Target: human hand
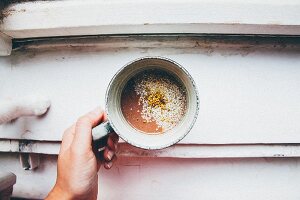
x,y
79,161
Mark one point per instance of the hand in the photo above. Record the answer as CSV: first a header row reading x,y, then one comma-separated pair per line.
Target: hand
x,y
78,165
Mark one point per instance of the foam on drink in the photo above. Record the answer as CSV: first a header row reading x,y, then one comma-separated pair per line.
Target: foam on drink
x,y
153,101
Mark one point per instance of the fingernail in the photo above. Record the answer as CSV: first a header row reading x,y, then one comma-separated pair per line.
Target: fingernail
x,y
110,154
108,165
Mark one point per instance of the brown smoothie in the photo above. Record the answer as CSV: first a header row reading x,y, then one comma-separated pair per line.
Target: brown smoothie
x,y
153,102
131,109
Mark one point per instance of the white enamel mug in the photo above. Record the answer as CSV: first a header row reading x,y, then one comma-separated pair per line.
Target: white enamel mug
x,y
117,122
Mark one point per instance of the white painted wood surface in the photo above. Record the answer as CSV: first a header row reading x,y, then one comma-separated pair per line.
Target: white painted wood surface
x,y
5,45
176,151
249,92
169,178
92,17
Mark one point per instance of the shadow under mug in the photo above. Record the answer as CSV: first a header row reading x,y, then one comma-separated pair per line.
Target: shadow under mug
x,y
116,120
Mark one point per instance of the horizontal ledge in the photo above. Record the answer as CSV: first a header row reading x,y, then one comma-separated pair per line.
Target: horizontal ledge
x,y
242,29
176,151
176,41
62,18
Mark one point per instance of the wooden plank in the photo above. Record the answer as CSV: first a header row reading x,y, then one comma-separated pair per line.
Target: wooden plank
x,y
249,90
27,146
214,151
176,151
5,45
72,17
165,178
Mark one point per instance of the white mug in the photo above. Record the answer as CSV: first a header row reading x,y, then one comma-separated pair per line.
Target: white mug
x,y
117,122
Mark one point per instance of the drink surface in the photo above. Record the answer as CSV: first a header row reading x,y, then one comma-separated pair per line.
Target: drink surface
x,y
153,102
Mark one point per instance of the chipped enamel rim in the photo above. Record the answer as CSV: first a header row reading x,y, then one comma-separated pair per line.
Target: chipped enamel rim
x,y
124,135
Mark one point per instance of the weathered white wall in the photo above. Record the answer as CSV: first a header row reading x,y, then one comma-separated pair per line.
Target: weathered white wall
x,y
171,178
249,93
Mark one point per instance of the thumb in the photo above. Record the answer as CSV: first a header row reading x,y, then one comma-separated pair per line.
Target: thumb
x,y
83,129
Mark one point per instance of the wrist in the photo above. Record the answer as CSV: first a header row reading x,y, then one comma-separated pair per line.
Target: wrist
x,y
58,193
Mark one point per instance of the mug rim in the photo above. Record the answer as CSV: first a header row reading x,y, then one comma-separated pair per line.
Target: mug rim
x,y
182,135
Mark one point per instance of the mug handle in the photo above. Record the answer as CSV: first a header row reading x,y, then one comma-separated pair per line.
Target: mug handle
x,y
101,131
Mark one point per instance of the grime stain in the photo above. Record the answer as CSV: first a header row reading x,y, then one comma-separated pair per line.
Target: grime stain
x,y
5,11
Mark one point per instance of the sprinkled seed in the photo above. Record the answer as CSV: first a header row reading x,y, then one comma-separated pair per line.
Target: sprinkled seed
x,y
162,98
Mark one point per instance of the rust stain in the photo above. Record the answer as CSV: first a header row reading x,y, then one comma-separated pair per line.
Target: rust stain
x,y
7,13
